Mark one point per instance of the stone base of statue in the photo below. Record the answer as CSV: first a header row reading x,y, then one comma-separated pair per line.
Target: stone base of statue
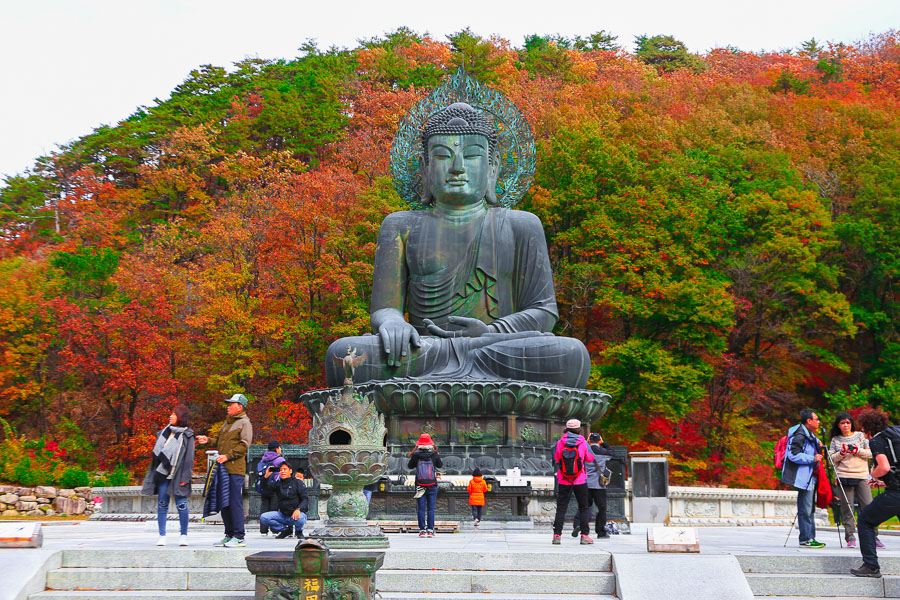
x,y
491,425
347,451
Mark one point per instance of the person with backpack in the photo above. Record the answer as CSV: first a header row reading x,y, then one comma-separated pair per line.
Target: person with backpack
x,y
801,462
884,442
268,501
571,454
477,489
849,450
597,479
425,460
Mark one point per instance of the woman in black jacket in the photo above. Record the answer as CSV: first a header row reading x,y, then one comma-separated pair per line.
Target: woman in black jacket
x,y
292,500
169,475
425,460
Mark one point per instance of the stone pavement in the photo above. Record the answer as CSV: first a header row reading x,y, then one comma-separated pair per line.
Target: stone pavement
x,y
24,570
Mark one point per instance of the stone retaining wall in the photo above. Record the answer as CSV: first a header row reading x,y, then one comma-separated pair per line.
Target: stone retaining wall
x,y
45,501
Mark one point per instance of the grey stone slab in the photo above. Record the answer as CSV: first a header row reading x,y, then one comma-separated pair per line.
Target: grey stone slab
x,y
511,582
154,556
492,560
891,586
139,595
813,563
786,584
698,577
419,581
481,596
117,579
220,579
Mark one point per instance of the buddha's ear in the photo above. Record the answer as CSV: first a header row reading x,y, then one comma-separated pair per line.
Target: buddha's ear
x,y
491,194
426,199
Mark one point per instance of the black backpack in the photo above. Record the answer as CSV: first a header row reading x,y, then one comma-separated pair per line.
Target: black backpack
x,y
425,472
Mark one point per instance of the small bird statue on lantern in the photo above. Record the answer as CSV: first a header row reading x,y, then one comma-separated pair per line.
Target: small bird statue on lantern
x,y
350,362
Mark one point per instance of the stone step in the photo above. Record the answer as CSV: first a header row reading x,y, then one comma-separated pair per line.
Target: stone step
x,y
474,596
580,559
847,586
139,595
94,578
812,563
819,597
494,582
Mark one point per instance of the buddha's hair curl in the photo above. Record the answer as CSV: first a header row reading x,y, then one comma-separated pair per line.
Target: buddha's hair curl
x,y
460,119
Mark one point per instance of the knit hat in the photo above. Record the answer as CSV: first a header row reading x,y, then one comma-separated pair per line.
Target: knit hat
x,y
425,440
274,445
573,424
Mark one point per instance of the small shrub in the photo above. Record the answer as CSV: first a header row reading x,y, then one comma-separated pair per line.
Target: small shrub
x,y
74,477
118,476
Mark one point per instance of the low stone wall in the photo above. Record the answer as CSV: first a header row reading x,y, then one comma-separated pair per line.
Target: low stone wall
x,y
698,506
125,503
45,501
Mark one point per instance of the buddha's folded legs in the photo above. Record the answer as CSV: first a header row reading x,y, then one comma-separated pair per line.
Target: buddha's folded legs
x,y
539,358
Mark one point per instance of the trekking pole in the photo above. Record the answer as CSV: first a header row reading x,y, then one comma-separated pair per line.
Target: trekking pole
x,y
790,531
844,498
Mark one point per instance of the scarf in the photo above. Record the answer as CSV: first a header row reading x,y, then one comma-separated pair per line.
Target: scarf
x,y
168,450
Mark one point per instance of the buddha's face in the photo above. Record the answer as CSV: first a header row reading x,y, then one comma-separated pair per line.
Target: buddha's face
x,y
459,168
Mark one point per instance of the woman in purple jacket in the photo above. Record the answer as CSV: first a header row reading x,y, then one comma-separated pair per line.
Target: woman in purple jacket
x,y
572,452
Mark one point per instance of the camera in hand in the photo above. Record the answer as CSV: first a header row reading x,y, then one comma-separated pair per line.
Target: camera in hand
x,y
851,447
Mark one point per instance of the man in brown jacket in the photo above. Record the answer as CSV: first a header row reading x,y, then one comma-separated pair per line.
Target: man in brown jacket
x,y
233,443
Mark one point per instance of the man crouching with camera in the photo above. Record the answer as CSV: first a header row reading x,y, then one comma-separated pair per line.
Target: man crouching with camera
x,y
884,441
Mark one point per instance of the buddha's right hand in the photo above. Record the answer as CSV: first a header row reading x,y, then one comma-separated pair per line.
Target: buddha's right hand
x,y
396,336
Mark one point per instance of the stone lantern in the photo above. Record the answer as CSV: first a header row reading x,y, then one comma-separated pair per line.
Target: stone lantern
x,y
347,450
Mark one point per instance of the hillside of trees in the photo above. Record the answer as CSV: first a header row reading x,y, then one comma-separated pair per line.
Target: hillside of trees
x,y
724,229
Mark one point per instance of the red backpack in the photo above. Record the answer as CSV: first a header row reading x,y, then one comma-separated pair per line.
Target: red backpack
x,y
780,451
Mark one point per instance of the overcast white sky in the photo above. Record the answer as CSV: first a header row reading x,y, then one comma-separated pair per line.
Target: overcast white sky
x,y
71,65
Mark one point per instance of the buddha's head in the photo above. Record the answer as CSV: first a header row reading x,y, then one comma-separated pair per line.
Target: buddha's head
x,y
460,162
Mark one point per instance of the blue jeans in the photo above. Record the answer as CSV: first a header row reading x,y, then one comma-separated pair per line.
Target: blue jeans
x,y
426,502
162,509
806,507
276,521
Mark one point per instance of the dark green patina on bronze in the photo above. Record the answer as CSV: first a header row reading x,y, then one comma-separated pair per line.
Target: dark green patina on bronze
x,y
313,571
463,303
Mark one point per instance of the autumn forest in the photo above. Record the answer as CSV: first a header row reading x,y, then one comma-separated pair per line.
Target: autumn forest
x,y
724,230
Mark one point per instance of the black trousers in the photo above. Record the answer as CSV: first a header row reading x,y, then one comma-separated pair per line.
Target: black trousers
x,y
879,510
267,504
233,514
476,511
596,497
563,495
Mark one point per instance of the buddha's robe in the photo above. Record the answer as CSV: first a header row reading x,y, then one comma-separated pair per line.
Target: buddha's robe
x,y
495,269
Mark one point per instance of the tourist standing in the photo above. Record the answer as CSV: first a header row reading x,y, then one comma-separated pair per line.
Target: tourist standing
x,y
267,500
169,475
233,442
477,488
849,450
291,501
801,461
884,442
594,472
425,460
571,454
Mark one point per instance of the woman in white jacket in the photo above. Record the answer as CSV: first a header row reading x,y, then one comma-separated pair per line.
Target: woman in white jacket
x,y
850,452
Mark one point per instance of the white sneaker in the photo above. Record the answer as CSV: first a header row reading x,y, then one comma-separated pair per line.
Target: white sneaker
x,y
182,541
161,541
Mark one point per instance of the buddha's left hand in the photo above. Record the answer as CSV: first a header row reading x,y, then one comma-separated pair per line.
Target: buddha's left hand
x,y
469,328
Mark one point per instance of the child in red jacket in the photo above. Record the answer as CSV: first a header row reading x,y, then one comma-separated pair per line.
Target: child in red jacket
x,y
477,487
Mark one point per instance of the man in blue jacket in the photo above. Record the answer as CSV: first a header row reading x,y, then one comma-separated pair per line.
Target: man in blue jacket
x,y
801,463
